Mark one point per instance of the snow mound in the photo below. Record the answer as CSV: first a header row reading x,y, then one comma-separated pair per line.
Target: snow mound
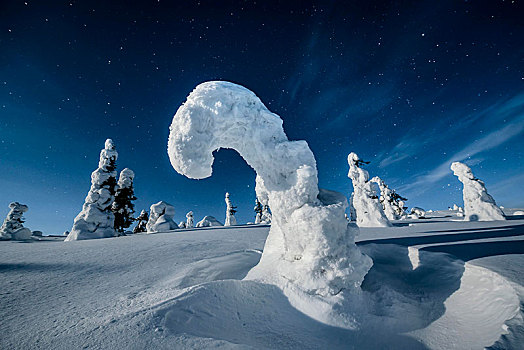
x,y
208,221
13,227
161,218
478,204
518,212
310,252
443,304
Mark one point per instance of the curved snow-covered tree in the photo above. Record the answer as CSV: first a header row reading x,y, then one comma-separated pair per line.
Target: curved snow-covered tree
x,y
392,203
13,227
230,212
96,220
161,218
310,251
478,204
142,222
368,211
123,206
189,220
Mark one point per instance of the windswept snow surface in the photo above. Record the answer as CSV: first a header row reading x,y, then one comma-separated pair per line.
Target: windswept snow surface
x,y
184,290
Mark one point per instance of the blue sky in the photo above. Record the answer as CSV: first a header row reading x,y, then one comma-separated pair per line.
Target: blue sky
x,y
410,87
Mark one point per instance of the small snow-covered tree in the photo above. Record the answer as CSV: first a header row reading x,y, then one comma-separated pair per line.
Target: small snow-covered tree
x,y
369,212
392,203
478,204
123,206
161,218
142,222
258,211
266,215
96,220
230,212
190,220
13,227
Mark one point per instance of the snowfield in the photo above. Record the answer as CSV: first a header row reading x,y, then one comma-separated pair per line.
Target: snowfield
x,y
436,283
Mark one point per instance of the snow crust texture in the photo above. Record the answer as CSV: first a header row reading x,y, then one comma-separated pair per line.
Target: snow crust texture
x,y
310,252
478,204
13,227
96,220
365,202
161,218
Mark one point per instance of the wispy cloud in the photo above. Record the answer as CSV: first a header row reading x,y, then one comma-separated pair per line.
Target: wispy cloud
x,y
495,138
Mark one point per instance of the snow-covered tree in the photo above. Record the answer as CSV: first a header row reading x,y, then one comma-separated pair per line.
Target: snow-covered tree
x,y
478,204
417,213
161,218
13,227
266,215
258,211
123,206
189,220
142,222
209,221
368,210
310,251
392,203
96,220
230,212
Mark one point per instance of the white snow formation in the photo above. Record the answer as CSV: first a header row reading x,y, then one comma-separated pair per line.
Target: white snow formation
x,y
189,220
478,204
96,220
13,227
266,215
368,211
258,211
208,221
417,212
161,218
393,208
518,212
230,212
310,251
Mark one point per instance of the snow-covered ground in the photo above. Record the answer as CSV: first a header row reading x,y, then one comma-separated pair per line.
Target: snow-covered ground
x,y
436,283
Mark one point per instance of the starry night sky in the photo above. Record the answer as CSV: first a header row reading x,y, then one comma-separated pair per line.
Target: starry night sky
x,y
409,86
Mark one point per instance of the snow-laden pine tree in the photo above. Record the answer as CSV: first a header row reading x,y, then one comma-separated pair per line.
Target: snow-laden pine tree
x,y
96,220
142,222
161,218
266,215
190,221
392,203
123,206
13,227
258,211
230,212
478,204
368,209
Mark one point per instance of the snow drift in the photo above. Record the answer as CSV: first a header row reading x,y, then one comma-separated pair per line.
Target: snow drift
x,y
478,204
310,251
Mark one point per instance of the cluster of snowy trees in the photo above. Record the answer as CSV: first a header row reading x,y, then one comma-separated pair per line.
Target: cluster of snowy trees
x,y
366,207
108,208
